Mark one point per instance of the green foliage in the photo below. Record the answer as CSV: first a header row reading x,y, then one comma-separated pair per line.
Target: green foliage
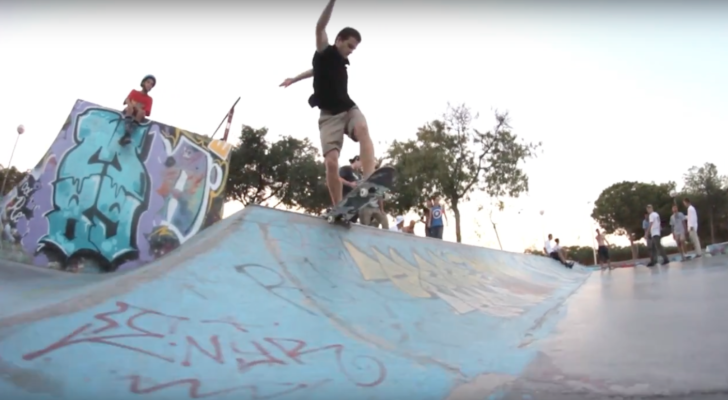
x,y
14,176
450,157
286,171
620,208
706,189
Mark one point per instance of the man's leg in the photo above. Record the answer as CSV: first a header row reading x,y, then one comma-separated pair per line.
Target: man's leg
x,y
365,215
681,245
358,130
663,253
653,250
696,242
436,232
131,113
382,219
562,258
331,129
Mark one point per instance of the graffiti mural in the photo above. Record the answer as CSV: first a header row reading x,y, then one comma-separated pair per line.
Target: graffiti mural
x,y
94,203
466,284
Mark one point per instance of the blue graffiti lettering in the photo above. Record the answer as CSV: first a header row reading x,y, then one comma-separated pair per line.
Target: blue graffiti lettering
x,y
101,189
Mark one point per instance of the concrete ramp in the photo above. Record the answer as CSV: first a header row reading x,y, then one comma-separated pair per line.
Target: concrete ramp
x,y
269,304
94,205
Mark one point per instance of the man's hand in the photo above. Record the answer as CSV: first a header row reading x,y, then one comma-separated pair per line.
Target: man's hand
x,y
303,75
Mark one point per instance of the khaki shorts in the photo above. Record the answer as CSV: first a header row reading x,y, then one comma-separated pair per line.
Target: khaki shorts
x,y
369,216
679,236
333,127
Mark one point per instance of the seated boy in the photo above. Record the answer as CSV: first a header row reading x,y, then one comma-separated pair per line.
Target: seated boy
x,y
557,253
138,106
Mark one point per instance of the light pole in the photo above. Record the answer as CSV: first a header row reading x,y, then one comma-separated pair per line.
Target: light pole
x,y
594,239
20,130
495,229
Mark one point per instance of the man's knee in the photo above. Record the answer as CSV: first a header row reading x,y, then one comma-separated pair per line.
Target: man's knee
x,y
361,131
331,161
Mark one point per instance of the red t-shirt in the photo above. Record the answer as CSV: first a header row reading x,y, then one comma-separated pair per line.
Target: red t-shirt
x,y
141,98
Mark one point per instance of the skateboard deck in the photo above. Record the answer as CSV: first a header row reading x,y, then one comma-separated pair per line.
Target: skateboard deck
x,y
367,191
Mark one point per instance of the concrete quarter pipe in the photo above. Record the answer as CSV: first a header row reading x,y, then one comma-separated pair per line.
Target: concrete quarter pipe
x,y
268,304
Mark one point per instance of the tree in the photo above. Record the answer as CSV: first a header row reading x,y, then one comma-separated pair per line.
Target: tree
x,y
452,158
704,185
620,208
14,176
286,172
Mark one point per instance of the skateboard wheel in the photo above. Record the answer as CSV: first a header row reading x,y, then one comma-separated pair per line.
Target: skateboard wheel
x,y
363,193
330,219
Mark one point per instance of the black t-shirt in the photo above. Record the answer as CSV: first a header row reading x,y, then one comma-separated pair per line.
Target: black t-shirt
x,y
330,82
348,174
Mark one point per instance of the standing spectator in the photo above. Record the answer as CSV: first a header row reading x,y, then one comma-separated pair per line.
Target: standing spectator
x,y
693,227
603,250
654,230
437,213
428,217
678,224
646,228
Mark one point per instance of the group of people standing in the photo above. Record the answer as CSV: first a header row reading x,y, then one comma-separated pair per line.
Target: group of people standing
x,y
683,229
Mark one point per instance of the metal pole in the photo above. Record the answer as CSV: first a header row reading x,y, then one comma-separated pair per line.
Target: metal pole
x,y
495,229
594,239
224,118
7,169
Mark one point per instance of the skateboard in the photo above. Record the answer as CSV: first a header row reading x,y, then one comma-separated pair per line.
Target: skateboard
x,y
367,191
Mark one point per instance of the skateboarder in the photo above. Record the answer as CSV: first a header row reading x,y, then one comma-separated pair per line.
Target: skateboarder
x,y
339,114
138,106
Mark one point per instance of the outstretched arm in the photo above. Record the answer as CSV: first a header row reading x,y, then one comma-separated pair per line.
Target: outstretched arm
x,y
303,75
322,40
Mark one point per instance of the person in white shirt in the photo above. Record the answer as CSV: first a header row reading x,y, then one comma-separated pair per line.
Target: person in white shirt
x,y
548,247
554,251
693,227
558,255
655,228
398,224
678,224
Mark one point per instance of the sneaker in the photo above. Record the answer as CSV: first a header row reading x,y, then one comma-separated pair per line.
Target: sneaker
x,y
652,264
126,139
666,262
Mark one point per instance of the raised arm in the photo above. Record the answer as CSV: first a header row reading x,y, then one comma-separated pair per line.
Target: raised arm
x,y
303,75
322,40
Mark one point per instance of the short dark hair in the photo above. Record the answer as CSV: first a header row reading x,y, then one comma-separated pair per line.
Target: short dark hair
x,y
686,200
347,33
